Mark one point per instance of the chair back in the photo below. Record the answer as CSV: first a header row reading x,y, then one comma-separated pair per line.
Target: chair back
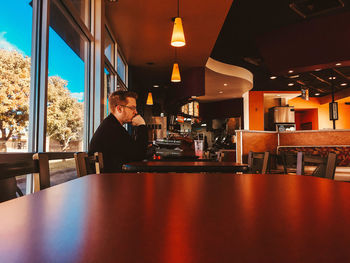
x,y
325,167
290,162
43,180
88,164
12,165
258,162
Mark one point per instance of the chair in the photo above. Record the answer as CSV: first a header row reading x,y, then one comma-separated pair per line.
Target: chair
x,y
290,161
12,165
325,167
43,180
88,164
258,162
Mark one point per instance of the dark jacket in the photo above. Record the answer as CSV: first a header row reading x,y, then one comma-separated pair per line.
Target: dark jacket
x,y
116,145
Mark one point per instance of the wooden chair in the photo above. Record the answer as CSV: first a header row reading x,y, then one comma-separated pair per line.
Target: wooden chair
x,y
43,180
12,165
325,167
290,161
258,162
88,164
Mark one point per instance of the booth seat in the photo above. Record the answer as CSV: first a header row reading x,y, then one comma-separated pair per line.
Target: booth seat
x,y
342,172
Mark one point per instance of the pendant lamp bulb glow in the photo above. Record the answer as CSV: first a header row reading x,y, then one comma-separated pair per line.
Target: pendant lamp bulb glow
x,y
178,36
149,99
175,76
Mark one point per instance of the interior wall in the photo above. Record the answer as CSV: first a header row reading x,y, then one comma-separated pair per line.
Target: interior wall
x,y
303,117
323,112
269,102
256,110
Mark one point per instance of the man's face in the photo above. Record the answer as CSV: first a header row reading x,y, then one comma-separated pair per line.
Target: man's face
x,y
128,111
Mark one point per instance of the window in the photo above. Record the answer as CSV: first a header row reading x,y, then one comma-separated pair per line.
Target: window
x,y
83,9
121,68
15,53
108,87
109,46
67,74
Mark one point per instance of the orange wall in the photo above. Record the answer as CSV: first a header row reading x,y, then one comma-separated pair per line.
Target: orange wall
x,y
256,110
305,116
323,112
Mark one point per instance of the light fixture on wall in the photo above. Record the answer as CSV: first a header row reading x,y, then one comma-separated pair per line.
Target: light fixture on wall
x,y
175,75
149,99
178,36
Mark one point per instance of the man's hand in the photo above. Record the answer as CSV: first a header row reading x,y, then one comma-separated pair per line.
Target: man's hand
x,y
138,120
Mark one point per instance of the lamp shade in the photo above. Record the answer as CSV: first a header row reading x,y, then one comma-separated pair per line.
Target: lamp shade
x,y
178,37
149,99
175,76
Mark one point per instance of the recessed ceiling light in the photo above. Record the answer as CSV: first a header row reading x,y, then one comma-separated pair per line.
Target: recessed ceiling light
x,y
343,84
317,94
338,64
278,95
290,71
273,77
318,69
290,84
221,92
294,76
225,84
155,86
332,78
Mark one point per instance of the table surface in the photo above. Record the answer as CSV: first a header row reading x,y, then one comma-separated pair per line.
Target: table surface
x,y
185,166
177,217
186,163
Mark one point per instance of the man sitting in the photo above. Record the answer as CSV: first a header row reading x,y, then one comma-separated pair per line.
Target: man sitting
x,y
111,138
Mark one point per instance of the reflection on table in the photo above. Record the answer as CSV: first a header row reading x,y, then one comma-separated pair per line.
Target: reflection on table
x,y
174,217
185,166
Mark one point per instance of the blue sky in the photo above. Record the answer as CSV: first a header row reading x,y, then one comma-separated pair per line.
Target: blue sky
x,y
16,34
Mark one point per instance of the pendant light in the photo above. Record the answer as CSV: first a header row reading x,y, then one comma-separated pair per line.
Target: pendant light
x,y
178,36
149,99
175,76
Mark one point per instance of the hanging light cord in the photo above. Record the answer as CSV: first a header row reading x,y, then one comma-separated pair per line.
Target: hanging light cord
x,y
178,8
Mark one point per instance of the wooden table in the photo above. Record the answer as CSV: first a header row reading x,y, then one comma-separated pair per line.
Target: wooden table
x,y
177,217
185,167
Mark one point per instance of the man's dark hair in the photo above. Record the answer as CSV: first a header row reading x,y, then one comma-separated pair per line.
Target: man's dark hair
x,y
119,98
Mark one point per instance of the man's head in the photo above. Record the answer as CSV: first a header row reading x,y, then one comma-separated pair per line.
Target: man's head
x,y
122,104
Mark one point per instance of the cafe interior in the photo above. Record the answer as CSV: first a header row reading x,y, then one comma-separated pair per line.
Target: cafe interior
x,y
247,109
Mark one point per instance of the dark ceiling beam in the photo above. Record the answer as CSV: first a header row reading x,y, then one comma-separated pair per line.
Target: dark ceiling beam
x,y
311,87
341,74
320,79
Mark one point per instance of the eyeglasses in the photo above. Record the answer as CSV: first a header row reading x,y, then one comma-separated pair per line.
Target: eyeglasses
x,y
133,108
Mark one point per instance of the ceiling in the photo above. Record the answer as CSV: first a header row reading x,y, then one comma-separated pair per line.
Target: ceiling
x,y
268,38
143,30
225,81
271,39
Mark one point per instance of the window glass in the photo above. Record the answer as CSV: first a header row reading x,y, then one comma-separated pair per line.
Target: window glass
x,y
83,8
15,54
121,68
15,63
107,89
66,83
109,46
67,71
